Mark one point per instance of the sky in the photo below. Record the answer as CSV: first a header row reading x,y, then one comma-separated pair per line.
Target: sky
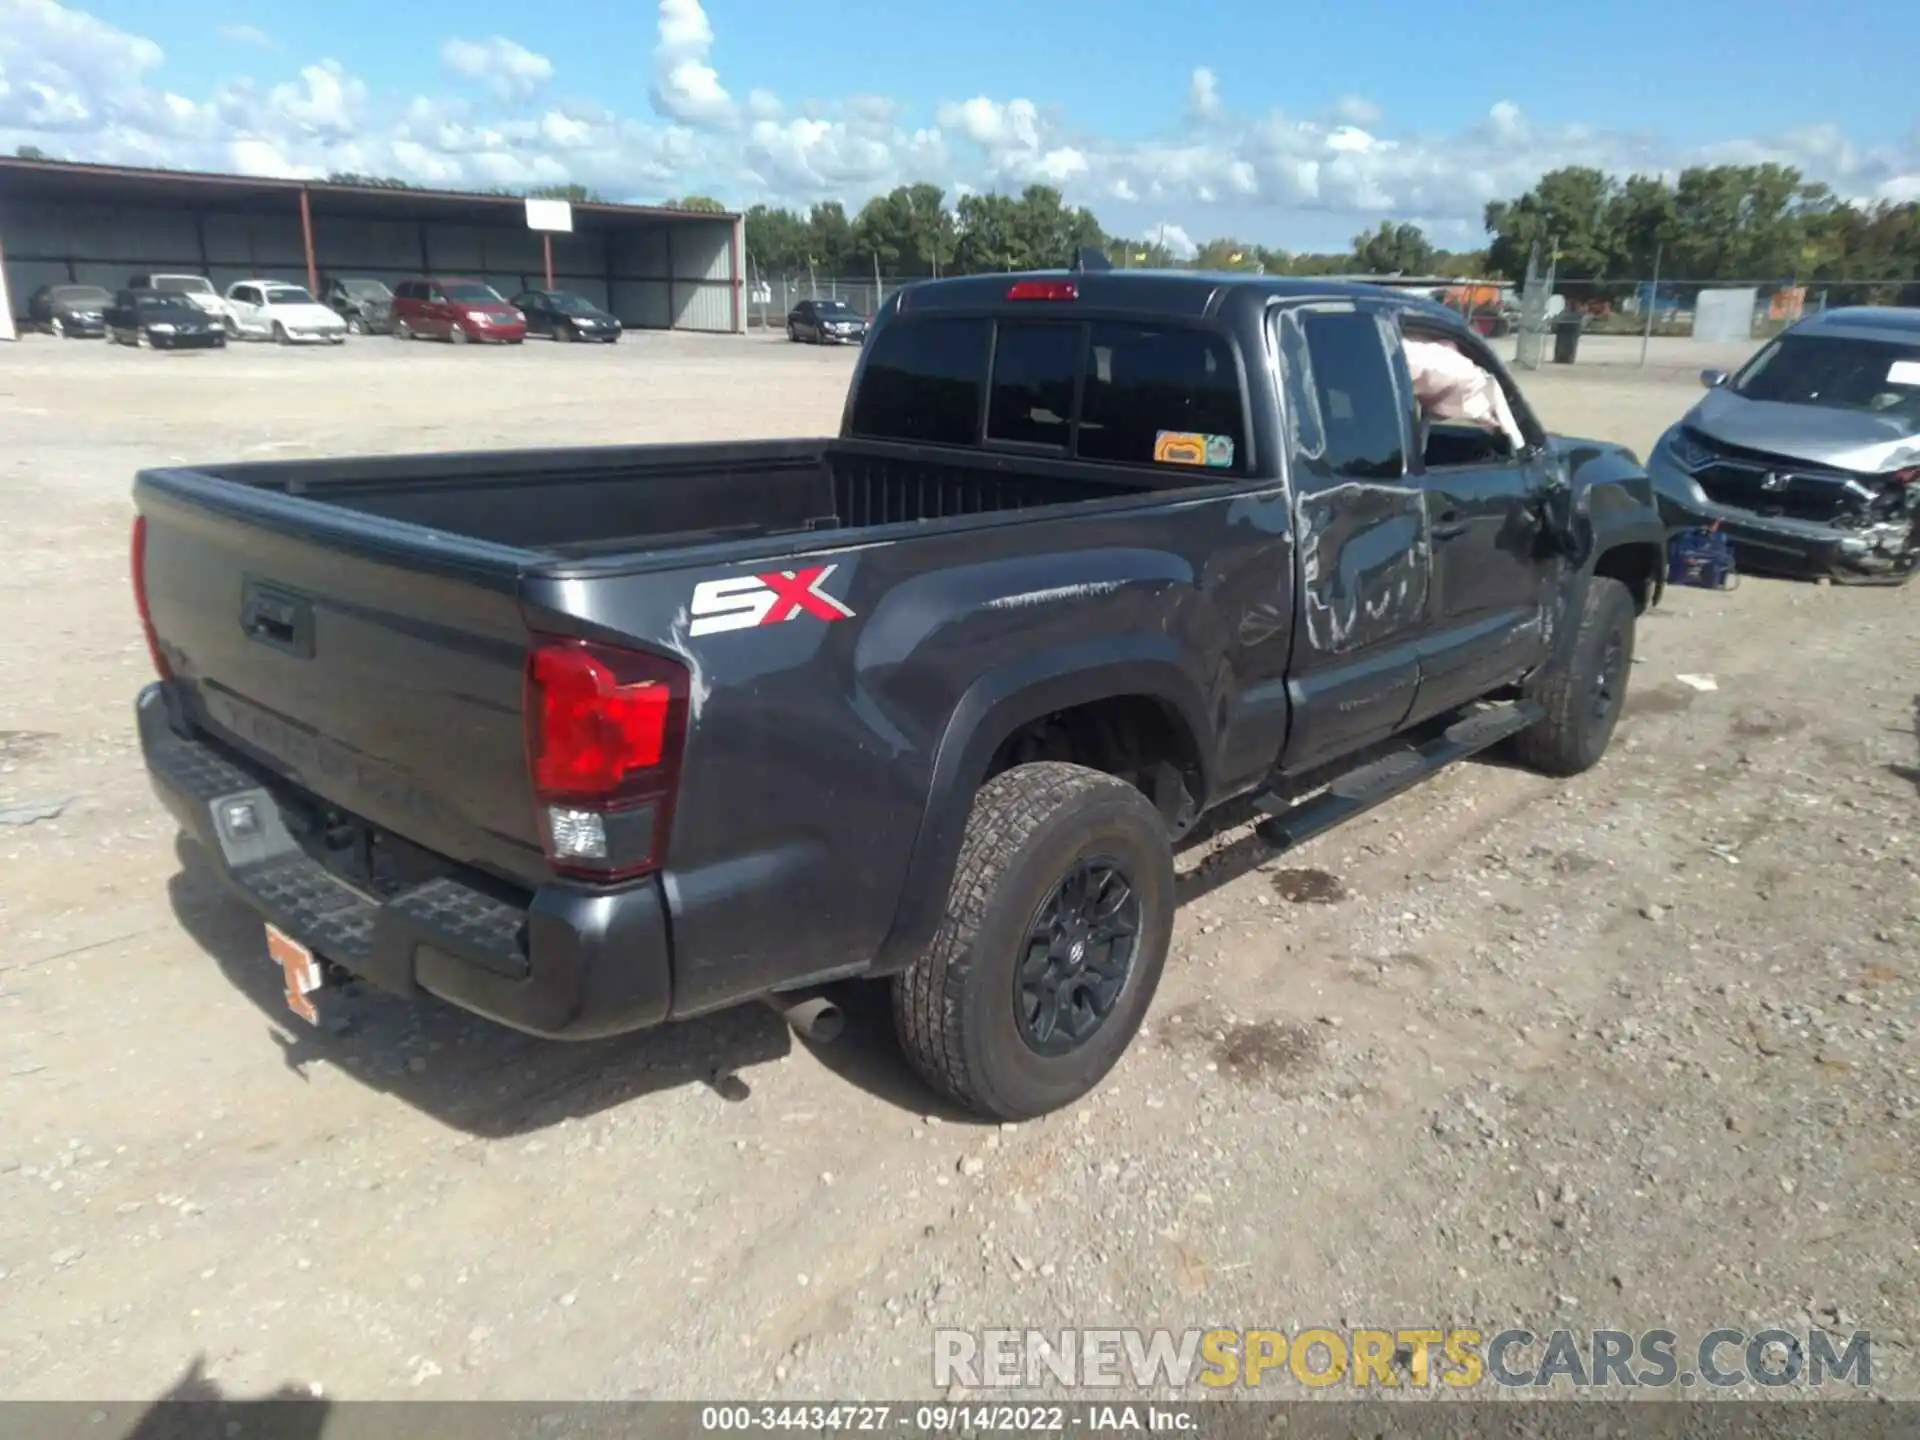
x,y
1284,125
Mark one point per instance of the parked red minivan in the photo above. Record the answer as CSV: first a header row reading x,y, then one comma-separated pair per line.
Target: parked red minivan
x,y
449,308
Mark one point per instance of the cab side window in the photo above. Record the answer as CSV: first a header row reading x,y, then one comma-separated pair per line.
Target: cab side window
x,y
1464,415
1355,429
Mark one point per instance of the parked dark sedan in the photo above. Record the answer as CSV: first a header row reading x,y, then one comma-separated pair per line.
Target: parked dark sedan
x,y
566,316
826,322
366,305
158,320
72,312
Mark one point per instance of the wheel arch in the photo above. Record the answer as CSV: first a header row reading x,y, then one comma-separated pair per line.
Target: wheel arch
x,y
1137,688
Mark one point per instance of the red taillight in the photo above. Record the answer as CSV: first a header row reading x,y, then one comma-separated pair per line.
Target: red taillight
x,y
605,727
139,567
1044,290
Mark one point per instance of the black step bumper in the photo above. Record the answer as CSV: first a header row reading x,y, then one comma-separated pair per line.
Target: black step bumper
x,y
572,962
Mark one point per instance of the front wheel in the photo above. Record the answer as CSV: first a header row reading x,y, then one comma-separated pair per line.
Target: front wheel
x,y
280,335
142,340
1051,948
458,334
58,327
356,326
402,330
1584,690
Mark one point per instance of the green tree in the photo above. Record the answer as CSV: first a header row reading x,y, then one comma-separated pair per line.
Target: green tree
x,y
1642,225
1569,209
776,240
1393,249
577,194
31,152
830,238
1227,253
369,182
700,204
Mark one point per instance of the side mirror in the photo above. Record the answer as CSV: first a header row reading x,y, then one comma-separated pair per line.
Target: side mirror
x,y
1713,379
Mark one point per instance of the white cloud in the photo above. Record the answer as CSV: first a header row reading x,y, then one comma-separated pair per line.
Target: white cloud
x,y
1357,110
1178,243
1203,96
685,86
325,100
79,86
505,66
246,35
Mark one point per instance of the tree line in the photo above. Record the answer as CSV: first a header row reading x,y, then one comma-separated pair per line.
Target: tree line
x,y
911,233
1716,222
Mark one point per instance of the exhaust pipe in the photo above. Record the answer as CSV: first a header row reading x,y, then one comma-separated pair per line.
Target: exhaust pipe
x,y
810,1013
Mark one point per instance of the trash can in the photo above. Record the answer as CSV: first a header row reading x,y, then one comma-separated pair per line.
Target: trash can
x,y
1567,326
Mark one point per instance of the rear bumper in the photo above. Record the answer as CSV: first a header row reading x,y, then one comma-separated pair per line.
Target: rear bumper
x,y
1888,552
568,962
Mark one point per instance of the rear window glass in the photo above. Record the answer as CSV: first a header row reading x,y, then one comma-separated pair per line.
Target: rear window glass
x,y
1033,370
1145,393
1161,393
922,381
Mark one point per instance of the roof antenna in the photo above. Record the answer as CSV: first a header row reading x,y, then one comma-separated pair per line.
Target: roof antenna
x,y
1089,258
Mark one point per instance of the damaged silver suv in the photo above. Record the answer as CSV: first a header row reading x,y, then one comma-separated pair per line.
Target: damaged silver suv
x,y
1809,456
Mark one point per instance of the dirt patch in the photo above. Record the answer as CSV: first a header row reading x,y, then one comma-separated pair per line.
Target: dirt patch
x,y
18,745
1309,887
1657,702
1575,862
1267,1050
1765,724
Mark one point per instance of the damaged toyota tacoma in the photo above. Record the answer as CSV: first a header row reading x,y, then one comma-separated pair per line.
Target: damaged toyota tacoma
x,y
588,740
1808,459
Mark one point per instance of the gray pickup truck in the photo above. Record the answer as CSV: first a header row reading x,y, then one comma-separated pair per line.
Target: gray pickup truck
x,y
588,740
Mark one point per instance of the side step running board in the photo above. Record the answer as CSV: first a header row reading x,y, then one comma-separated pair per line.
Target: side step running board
x,y
1392,774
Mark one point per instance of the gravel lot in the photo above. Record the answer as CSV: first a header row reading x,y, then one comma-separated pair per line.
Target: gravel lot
x,y
1637,1050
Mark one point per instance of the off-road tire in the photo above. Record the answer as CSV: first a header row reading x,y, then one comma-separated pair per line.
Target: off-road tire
x,y
954,1008
1577,728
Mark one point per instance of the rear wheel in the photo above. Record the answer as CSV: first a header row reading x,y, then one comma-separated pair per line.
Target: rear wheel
x,y
1055,934
1583,691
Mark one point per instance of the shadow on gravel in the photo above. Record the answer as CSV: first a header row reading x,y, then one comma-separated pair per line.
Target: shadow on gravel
x,y
1910,773
194,1408
470,1073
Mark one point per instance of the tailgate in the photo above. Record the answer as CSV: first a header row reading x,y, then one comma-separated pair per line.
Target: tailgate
x,y
364,660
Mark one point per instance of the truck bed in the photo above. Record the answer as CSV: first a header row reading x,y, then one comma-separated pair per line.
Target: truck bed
x,y
590,502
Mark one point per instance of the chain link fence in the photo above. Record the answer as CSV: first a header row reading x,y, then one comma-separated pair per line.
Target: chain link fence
x,y
1713,310
771,297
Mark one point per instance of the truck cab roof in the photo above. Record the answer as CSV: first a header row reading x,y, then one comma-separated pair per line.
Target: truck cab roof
x,y
1161,294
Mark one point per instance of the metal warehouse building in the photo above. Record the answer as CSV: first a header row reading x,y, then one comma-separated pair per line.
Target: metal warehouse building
x,y
98,224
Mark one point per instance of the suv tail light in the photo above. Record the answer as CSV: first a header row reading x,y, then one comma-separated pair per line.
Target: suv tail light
x,y
1044,290
139,568
605,731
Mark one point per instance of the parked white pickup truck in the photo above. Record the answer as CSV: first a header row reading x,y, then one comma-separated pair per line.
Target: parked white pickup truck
x,y
279,311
